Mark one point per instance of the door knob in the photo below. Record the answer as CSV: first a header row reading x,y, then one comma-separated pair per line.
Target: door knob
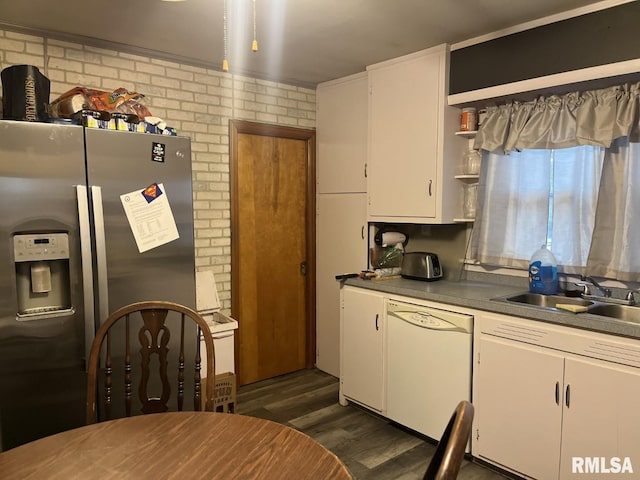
x,y
303,268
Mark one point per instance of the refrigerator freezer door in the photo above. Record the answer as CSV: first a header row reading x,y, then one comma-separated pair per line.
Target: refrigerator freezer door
x,y
42,379
120,163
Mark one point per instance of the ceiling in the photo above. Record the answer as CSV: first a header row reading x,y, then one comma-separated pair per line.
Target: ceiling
x,y
301,42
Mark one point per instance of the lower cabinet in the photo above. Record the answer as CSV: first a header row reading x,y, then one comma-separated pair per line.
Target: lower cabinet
x,y
601,418
518,418
547,413
551,402
362,346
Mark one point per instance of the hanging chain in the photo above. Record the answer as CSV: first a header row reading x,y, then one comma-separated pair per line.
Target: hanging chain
x,y
254,45
225,62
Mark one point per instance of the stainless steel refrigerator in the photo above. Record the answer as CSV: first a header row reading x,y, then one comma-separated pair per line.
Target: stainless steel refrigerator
x,y
70,255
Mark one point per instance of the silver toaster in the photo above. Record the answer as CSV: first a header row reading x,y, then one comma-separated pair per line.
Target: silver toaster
x,y
421,266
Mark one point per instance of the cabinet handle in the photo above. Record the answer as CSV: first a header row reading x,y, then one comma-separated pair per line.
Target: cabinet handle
x,y
430,183
377,327
567,396
365,170
362,232
557,393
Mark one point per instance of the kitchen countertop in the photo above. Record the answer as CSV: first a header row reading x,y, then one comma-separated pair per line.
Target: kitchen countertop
x,y
478,295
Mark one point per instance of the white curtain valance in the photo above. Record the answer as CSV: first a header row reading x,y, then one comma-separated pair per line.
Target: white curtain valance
x,y
595,117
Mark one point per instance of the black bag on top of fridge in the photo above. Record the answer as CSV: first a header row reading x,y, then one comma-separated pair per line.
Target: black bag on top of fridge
x,y
25,94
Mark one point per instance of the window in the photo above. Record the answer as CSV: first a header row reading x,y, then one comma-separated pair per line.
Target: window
x,y
535,197
578,155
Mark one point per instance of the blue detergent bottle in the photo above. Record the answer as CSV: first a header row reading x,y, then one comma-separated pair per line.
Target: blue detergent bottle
x,y
543,272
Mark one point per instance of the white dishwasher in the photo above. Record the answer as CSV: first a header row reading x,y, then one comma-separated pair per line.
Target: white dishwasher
x,y
429,355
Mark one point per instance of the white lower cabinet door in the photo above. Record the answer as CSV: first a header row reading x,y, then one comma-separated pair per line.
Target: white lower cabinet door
x,y
362,361
601,420
341,247
519,407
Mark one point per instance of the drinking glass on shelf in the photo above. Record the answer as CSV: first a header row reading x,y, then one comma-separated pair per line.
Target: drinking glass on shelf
x,y
469,200
471,162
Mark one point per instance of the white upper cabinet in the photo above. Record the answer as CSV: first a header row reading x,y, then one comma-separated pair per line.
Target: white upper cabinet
x,y
341,127
412,147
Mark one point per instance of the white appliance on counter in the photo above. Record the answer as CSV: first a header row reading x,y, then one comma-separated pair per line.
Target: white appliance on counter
x,y
222,327
429,355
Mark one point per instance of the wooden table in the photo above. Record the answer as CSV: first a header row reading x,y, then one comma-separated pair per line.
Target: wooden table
x,y
180,445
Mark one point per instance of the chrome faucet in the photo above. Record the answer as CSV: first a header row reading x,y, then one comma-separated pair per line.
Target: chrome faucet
x,y
606,292
630,298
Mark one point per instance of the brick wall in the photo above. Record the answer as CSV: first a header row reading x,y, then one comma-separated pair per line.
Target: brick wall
x,y
197,101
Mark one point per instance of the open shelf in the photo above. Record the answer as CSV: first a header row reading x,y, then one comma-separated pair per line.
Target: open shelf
x,y
467,133
466,179
467,176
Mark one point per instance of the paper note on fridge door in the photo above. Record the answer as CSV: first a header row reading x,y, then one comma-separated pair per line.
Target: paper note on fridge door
x,y
150,218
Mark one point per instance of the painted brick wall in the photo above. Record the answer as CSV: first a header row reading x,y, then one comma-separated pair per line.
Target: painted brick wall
x,y
198,102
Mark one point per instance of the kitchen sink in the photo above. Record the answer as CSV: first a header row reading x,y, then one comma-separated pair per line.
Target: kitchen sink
x,y
625,313
548,301
619,311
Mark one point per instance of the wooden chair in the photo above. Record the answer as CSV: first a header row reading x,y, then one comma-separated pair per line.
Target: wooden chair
x,y
159,361
446,462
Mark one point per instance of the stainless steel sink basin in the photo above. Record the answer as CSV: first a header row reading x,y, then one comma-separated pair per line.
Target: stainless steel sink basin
x,y
621,312
618,311
547,301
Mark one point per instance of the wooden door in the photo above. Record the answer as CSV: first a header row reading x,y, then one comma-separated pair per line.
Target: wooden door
x,y
273,248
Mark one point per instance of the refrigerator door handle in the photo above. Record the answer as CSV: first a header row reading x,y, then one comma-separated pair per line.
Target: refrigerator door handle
x,y
87,270
101,254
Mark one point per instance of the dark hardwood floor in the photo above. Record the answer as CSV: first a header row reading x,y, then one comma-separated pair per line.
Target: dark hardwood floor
x,y
370,446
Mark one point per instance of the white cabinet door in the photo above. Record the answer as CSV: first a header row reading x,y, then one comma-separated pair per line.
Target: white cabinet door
x,y
403,135
519,409
601,416
362,362
341,128
341,247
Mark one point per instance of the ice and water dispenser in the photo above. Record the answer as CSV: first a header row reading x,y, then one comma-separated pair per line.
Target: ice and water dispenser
x,y
42,274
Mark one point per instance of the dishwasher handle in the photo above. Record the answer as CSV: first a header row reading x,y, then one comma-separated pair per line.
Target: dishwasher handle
x,y
427,320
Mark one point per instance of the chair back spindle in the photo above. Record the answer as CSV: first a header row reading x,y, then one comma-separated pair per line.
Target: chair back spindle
x,y
128,375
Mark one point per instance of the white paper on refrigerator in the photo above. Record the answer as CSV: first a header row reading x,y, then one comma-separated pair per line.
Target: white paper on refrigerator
x,y
150,218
